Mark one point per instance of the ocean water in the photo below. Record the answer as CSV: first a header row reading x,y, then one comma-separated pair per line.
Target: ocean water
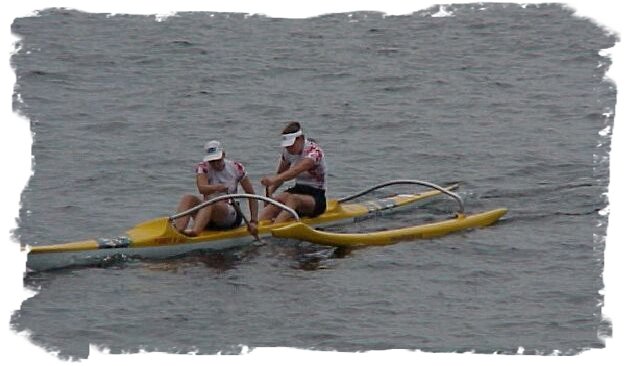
x,y
509,100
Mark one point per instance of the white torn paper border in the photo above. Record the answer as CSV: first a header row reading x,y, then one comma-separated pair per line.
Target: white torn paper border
x,y
614,15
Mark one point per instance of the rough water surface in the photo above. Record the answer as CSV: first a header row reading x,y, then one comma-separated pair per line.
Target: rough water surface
x,y
509,100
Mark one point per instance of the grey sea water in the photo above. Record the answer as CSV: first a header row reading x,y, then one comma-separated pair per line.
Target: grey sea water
x,y
509,100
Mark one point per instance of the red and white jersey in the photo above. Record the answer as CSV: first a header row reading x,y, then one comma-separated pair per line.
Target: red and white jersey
x,y
230,176
316,176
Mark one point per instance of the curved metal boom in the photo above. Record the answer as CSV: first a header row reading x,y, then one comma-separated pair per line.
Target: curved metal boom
x,y
419,182
235,195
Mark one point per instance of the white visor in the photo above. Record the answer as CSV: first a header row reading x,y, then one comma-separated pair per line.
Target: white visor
x,y
289,138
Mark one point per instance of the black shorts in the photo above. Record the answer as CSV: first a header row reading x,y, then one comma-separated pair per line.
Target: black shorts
x,y
319,195
239,220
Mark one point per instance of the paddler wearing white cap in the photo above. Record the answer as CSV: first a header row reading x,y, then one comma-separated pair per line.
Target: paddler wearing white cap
x,y
215,176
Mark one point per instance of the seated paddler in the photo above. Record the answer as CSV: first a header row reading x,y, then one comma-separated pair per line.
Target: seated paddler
x,y
215,176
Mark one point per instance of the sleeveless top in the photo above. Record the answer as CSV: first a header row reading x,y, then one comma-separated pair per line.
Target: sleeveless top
x,y
230,176
316,176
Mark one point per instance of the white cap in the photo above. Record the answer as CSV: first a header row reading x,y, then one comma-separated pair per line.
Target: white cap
x,y
213,151
289,138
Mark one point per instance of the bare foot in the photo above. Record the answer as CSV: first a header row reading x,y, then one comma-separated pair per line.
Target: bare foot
x,y
189,232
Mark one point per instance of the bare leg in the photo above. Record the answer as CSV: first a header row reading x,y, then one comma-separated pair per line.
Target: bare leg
x,y
220,210
201,219
303,204
188,201
271,211
216,212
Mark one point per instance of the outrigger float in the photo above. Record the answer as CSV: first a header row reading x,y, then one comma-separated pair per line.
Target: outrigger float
x,y
157,238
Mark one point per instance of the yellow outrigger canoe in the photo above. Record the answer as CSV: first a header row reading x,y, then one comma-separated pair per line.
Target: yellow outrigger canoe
x,y
157,238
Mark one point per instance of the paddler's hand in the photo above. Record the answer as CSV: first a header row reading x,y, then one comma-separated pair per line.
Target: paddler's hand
x,y
219,188
269,181
252,227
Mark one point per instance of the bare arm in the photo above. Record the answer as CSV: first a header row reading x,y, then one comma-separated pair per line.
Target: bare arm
x,y
253,204
271,185
288,173
205,188
252,225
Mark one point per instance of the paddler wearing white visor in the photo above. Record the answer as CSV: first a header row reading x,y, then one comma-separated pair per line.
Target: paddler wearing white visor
x,y
302,159
216,176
